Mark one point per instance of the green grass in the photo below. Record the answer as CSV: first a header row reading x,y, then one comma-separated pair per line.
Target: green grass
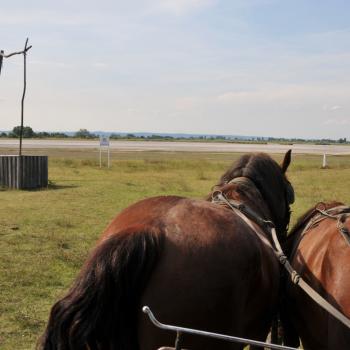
x,y
45,235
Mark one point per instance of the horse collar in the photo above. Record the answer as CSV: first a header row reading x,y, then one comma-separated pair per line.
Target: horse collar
x,y
219,198
240,180
339,213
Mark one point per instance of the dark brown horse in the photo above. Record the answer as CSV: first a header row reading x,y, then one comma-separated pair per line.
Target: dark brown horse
x,y
320,253
195,263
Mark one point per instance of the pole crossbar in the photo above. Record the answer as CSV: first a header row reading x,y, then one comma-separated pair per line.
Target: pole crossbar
x,y
2,53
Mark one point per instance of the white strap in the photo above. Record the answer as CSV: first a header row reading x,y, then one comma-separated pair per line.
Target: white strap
x,y
295,277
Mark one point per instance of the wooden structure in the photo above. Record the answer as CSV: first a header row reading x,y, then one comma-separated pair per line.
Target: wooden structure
x,y
24,53
23,172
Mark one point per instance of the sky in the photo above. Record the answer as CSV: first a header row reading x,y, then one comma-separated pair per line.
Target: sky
x,y
235,67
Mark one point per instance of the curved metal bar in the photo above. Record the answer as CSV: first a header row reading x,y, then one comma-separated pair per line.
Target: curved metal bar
x,y
229,338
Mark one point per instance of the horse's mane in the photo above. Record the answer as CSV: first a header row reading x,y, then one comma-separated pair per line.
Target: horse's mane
x,y
267,176
258,167
246,163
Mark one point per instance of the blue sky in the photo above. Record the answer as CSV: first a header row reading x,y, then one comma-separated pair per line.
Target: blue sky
x,y
249,67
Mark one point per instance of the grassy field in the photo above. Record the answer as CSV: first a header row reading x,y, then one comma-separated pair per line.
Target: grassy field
x,y
46,235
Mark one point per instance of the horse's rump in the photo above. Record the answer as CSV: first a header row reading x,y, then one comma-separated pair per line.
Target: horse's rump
x,y
193,281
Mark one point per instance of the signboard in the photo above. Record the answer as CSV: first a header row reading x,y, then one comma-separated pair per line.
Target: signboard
x,y
104,141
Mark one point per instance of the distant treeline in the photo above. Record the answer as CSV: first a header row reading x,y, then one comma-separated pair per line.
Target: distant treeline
x,y
165,137
29,133
85,134
299,140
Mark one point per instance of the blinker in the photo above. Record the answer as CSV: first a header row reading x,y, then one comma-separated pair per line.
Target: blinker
x,y
290,194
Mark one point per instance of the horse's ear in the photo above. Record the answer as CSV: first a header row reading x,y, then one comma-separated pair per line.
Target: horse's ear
x,y
286,161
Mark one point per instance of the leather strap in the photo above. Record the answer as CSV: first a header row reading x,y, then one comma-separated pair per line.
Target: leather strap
x,y
236,206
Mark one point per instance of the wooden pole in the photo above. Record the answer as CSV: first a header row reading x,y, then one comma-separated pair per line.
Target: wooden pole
x,y
100,156
24,53
1,59
24,94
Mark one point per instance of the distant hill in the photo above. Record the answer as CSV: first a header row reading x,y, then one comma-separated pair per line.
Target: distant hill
x,y
175,136
149,134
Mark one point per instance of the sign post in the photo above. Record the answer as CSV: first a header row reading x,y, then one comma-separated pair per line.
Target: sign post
x,y
104,142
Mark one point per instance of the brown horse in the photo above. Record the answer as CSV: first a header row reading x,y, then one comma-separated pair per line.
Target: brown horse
x,y
320,253
195,263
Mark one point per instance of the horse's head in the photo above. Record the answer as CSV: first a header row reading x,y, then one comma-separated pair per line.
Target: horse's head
x,y
270,182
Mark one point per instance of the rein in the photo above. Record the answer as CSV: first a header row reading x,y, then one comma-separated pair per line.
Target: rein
x,y
249,216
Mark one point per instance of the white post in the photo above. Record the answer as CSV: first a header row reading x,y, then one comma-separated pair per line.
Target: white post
x,y
324,163
100,157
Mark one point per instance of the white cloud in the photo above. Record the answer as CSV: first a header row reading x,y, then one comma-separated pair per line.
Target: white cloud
x,y
266,94
186,103
52,64
180,7
286,93
331,108
334,121
100,65
44,17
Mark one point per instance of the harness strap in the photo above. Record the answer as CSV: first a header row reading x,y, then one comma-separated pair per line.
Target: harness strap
x,y
339,213
298,280
236,206
342,229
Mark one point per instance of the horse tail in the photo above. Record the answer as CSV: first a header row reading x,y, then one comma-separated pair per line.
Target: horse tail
x,y
100,310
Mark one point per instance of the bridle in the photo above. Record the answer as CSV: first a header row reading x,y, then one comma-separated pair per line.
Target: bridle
x,y
249,213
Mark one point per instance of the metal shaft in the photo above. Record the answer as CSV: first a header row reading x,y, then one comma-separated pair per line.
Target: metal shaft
x,y
229,338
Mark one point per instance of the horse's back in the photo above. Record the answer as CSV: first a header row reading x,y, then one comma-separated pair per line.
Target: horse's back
x,y
144,214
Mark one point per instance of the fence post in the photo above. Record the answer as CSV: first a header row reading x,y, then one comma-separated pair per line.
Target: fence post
x,y
324,162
